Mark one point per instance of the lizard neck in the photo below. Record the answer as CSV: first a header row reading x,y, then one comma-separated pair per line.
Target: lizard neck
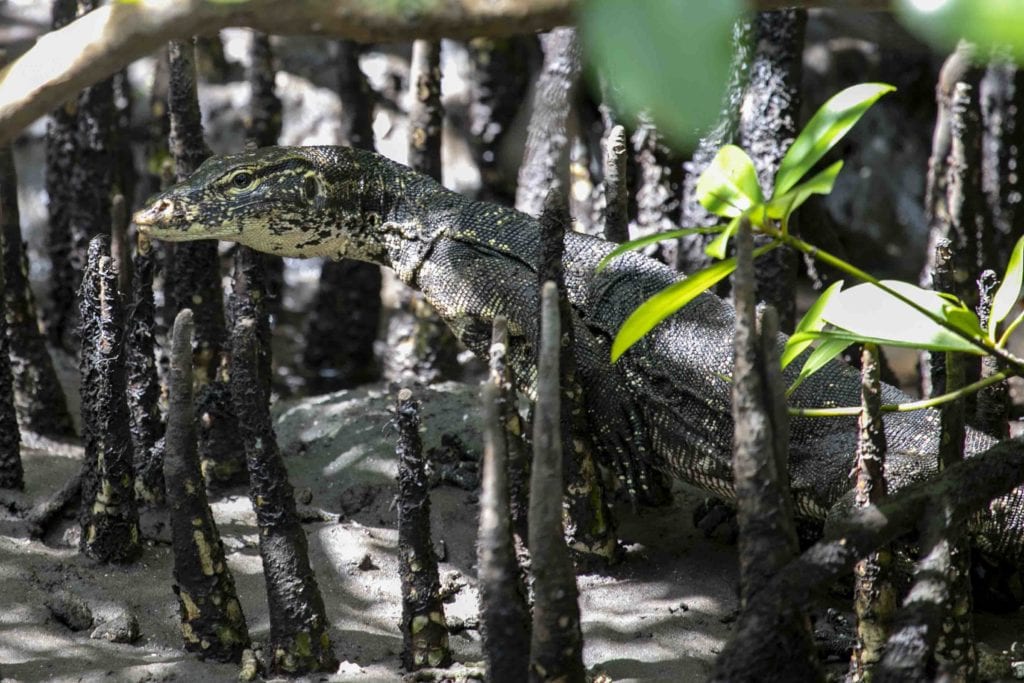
x,y
387,213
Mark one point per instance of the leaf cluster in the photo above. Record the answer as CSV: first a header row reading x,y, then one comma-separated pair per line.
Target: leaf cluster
x,y
875,311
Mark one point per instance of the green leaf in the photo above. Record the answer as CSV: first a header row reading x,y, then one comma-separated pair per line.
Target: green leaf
x,y
866,313
811,322
819,358
666,57
720,244
728,186
669,300
641,242
988,24
829,124
665,303
1009,291
822,183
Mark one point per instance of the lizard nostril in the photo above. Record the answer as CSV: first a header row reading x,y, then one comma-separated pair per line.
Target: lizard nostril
x,y
161,211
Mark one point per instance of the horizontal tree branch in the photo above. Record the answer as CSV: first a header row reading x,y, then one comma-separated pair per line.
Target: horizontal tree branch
x,y
65,61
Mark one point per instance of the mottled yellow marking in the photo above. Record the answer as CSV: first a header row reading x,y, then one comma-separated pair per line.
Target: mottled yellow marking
x,y
205,552
191,608
187,634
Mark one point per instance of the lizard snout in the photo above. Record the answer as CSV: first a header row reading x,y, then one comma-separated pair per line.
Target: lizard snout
x,y
159,213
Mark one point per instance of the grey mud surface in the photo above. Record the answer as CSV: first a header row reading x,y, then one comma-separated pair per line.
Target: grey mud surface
x,y
662,614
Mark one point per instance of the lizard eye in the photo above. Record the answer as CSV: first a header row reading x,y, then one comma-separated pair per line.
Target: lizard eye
x,y
241,180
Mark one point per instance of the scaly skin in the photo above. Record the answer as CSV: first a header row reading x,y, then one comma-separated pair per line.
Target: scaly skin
x,y
664,404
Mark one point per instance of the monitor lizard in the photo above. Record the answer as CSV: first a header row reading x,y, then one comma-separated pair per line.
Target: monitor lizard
x,y
665,403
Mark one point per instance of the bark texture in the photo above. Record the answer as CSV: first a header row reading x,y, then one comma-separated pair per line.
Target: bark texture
x,y
769,123
147,428
12,475
767,532
875,596
500,75
556,646
504,612
955,650
212,622
590,528
757,647
38,396
1002,105
659,174
992,404
933,636
545,166
195,284
299,640
108,516
61,152
345,316
263,128
616,190
422,347
423,626
515,430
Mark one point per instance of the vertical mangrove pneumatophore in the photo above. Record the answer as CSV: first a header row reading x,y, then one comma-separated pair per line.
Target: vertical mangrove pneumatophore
x,y
591,528
423,626
556,646
11,472
658,187
956,651
249,300
195,284
954,174
259,278
299,639
263,129
932,637
875,597
147,429
422,347
108,518
767,538
992,404
616,191
504,613
61,153
545,166
212,622
515,430
500,76
426,114
92,173
38,396
769,118
345,315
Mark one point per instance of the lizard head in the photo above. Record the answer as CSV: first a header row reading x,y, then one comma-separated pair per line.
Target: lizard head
x,y
272,199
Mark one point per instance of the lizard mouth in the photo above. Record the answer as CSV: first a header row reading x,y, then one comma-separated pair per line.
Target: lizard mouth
x,y
157,215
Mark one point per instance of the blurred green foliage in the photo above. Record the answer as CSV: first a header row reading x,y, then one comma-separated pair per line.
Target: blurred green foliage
x,y
669,58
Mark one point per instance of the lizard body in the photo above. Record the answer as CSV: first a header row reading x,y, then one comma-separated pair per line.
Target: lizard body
x,y
665,403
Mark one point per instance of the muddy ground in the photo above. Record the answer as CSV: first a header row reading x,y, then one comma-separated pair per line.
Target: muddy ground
x,y
662,614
